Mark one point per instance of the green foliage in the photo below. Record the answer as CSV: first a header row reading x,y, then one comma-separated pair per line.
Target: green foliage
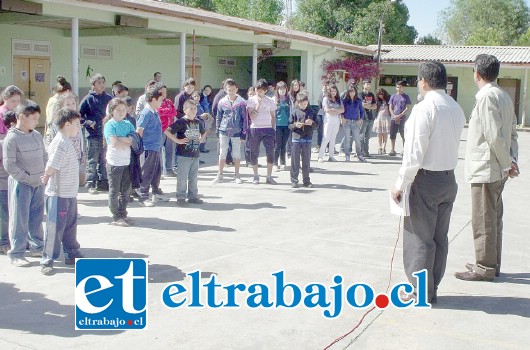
x,y
428,40
355,21
269,11
485,22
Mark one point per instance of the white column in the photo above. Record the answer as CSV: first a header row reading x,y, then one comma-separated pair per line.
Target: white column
x,y
254,64
75,56
525,95
182,59
307,73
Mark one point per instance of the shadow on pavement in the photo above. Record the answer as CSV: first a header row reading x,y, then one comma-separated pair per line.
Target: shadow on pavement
x,y
157,223
34,313
514,278
346,187
487,304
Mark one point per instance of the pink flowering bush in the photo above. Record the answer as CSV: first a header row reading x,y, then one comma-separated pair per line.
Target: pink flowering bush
x,y
356,68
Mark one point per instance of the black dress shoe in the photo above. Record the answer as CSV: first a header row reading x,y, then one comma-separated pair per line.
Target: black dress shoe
x,y
204,151
472,276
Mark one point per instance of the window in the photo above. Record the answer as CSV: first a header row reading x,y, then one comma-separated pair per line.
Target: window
x,y
391,80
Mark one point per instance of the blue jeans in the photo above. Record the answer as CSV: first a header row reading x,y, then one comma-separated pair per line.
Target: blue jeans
x,y
282,137
61,227
169,149
4,219
96,163
187,173
352,130
26,211
366,130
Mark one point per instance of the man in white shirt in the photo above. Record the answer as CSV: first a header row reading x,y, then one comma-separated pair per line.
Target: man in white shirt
x,y
491,157
432,136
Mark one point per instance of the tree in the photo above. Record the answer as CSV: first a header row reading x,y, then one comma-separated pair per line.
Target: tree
x,y
485,22
269,11
355,21
429,40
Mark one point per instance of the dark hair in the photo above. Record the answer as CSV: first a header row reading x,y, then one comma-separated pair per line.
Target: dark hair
x,y
9,118
10,91
154,92
291,90
302,84
328,94
188,82
230,82
281,85
434,74
27,107
65,115
302,97
119,87
154,75
95,78
115,102
116,82
207,86
487,66
383,92
262,85
62,85
350,89
128,101
402,83
149,83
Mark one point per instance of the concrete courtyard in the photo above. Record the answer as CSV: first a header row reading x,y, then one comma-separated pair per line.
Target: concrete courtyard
x,y
243,233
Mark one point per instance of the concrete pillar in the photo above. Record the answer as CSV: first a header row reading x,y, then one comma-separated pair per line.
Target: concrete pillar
x,y
525,96
182,59
308,73
75,56
254,64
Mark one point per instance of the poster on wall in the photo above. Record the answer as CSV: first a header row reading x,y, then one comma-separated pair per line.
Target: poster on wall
x,y
24,74
40,77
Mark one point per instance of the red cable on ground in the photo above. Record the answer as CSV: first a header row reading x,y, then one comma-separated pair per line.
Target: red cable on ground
x,y
387,288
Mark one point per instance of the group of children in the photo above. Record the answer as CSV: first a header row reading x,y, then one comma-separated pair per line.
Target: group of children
x,y
127,155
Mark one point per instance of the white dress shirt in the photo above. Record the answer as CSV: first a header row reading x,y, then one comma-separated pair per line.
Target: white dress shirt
x,y
432,136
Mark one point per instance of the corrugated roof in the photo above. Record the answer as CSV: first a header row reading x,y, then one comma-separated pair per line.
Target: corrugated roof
x,y
198,15
450,53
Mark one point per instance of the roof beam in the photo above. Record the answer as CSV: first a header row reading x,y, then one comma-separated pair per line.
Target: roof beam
x,y
21,18
198,41
21,6
114,31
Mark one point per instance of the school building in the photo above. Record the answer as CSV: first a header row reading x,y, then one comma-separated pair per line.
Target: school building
x,y
400,62
129,40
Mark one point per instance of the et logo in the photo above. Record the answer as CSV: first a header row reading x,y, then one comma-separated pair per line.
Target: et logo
x,y
111,294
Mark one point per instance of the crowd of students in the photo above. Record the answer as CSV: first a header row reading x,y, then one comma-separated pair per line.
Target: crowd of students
x,y
111,145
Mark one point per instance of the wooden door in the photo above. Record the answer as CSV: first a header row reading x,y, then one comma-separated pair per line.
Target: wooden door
x,y
32,76
513,88
39,83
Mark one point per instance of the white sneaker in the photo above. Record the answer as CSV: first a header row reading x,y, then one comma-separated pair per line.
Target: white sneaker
x,y
160,198
22,262
217,179
275,168
238,180
320,160
146,203
283,167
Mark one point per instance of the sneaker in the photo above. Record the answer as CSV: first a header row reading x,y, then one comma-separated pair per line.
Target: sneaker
x,y
130,199
35,254
120,223
341,154
316,150
162,177
392,153
22,262
71,259
160,197
332,159
201,162
255,181
238,180
308,185
170,174
218,178
320,160
270,181
195,201
182,203
275,168
283,167
146,203
204,150
46,270
294,185
93,190
347,158
361,159
129,221
4,249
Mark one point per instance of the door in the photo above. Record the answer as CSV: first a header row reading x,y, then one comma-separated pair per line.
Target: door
x,y
513,88
32,76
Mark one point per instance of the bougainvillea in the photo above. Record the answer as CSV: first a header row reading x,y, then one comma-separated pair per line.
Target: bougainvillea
x,y
355,68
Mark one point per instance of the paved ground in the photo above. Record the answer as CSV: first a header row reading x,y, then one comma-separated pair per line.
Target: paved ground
x,y
245,232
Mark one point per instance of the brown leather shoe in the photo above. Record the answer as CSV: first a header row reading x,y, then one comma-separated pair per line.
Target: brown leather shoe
x,y
472,276
469,267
